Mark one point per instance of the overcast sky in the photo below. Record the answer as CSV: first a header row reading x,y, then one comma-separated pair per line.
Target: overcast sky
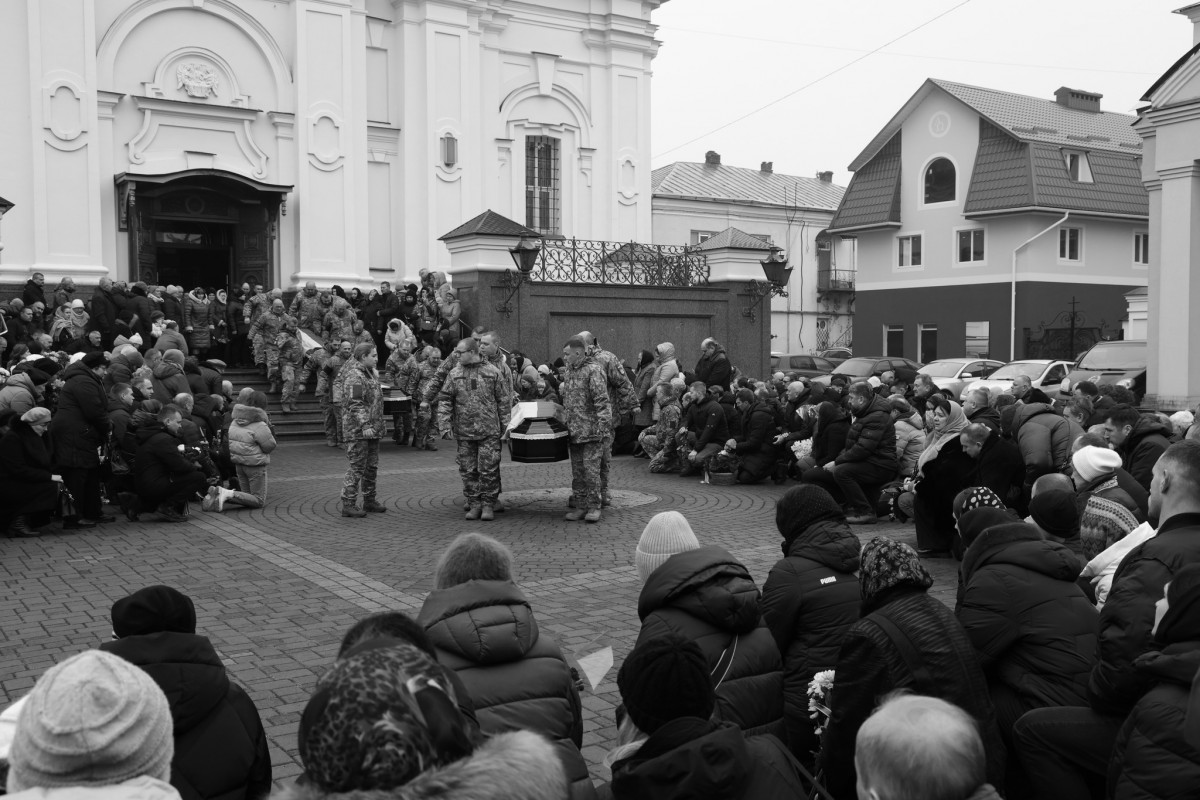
x,y
721,60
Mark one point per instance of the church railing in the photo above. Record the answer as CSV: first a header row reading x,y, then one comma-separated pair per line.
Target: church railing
x,y
619,263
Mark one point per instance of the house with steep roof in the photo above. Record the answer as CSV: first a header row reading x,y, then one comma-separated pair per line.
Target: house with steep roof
x,y
713,205
983,219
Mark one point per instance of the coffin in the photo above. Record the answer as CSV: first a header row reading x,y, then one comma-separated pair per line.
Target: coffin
x,y
395,401
539,438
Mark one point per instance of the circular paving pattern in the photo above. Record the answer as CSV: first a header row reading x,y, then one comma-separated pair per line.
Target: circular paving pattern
x,y
554,499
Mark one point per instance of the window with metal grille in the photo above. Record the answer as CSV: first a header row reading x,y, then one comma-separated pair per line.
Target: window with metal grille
x,y
542,190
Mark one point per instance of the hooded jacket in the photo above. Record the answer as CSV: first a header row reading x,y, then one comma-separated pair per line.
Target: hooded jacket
x,y
399,336
169,380
910,443
665,366
1033,628
24,460
1145,443
171,340
158,463
755,444
695,758
1044,439
250,438
872,437
706,419
708,596
829,433
220,745
18,393
985,416
121,368
80,425
809,601
517,678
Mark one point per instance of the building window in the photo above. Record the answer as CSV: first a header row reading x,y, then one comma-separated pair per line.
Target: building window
x,y
542,188
702,236
893,340
940,181
970,246
1141,249
1078,168
763,237
1070,244
926,343
908,251
979,344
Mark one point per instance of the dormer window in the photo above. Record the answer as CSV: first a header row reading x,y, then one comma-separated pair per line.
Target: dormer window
x,y
1078,167
940,181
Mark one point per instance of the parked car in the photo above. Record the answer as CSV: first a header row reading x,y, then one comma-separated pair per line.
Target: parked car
x,y
860,368
951,375
836,354
1122,363
808,366
1044,374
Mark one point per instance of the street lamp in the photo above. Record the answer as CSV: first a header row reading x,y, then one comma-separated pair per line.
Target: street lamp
x,y
775,268
524,256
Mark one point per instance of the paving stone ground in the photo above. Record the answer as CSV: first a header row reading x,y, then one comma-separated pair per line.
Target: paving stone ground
x,y
276,588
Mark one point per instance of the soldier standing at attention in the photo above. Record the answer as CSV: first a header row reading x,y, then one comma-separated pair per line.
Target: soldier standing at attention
x,y
475,403
330,409
621,397
589,421
362,428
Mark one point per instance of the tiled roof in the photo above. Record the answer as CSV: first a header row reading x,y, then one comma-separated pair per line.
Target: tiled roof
x,y
734,238
489,223
1000,178
873,197
1030,119
739,184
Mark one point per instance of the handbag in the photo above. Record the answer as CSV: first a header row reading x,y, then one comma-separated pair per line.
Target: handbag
x,y
117,463
66,503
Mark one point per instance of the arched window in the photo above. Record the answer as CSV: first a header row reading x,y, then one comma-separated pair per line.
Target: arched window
x,y
939,181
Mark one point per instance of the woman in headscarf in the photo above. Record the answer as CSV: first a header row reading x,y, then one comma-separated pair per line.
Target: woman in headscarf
x,y
356,298
70,323
665,369
642,378
942,472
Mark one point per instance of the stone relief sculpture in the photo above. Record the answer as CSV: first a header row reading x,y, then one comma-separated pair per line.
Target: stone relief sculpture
x,y
198,80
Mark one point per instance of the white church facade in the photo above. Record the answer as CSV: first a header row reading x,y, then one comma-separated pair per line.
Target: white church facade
x,y
219,141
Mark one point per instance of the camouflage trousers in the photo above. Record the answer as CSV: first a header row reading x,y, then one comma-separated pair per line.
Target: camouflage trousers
x,y
479,466
257,342
651,444
606,461
402,427
332,420
291,388
585,473
271,359
364,466
426,429
304,373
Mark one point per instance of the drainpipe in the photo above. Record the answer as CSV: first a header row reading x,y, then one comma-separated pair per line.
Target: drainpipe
x,y
1012,333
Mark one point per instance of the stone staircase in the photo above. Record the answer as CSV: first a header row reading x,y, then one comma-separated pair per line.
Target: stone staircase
x,y
304,425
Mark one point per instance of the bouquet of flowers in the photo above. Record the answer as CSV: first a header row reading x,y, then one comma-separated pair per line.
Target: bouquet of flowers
x,y
819,689
802,448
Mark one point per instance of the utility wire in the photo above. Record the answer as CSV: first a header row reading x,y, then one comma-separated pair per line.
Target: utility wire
x,y
815,81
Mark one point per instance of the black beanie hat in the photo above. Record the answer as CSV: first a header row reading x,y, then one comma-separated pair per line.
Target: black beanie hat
x,y
801,507
153,610
1055,512
665,678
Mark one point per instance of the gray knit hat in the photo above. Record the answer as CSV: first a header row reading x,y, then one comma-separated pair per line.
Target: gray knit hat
x,y
666,534
92,720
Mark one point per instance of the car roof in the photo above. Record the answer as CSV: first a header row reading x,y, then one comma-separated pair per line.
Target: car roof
x,y
956,361
1046,361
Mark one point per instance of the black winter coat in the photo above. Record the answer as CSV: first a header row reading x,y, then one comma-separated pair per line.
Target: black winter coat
x,y
947,474
755,445
871,664
173,309
220,745
810,599
829,438
517,678
999,468
24,463
1152,759
733,420
872,437
1146,442
708,596
693,758
715,370
986,416
80,425
1128,614
140,304
158,464
1044,439
103,310
33,293
706,419
1032,626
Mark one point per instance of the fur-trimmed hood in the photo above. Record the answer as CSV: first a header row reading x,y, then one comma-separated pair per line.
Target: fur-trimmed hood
x,y
510,766
247,415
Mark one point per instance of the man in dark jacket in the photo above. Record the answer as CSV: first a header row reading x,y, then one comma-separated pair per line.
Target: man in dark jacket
x,y
142,308
1066,750
33,292
1044,439
998,464
220,745
753,444
713,368
869,458
704,429
163,476
104,311
977,408
1101,403
1140,440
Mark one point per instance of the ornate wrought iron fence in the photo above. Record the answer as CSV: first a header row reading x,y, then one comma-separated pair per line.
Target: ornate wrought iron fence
x,y
625,264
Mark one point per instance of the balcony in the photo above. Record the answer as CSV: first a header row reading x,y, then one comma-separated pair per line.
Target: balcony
x,y
835,280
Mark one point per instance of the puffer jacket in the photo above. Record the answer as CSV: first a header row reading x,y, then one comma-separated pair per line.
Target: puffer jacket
x,y
80,426
250,438
829,433
755,444
220,745
715,370
999,467
171,340
169,380
665,366
706,419
910,442
517,678
872,437
809,601
708,596
1034,629
986,416
399,336
197,315
18,394
121,368
1145,443
1044,439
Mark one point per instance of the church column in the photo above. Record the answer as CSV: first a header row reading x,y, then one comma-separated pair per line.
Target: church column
x,y
1174,330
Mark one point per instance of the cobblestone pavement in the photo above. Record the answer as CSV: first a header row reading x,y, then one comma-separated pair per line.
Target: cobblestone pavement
x,y
275,588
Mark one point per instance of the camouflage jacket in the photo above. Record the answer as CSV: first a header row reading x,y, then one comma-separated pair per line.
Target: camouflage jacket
x,y
475,402
363,338
621,395
308,312
257,306
269,326
403,371
430,392
500,363
361,402
425,377
669,417
327,377
338,328
290,349
586,403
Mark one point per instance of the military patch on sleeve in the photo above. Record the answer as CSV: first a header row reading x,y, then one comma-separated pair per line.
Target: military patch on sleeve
x,y
474,384
356,391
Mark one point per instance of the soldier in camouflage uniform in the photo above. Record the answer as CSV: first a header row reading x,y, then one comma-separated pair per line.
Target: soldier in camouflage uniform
x,y
400,373
474,403
360,334
622,398
306,308
255,307
267,329
428,366
330,412
314,359
589,422
357,388
339,323
659,439
489,348
291,353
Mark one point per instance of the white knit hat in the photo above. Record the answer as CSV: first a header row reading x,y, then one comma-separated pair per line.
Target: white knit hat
x,y
1091,462
666,534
